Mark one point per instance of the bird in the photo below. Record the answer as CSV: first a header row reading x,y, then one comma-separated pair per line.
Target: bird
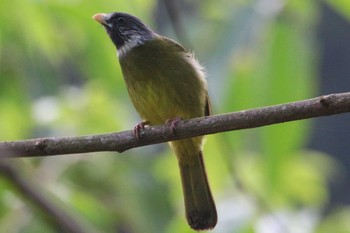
x,y
166,84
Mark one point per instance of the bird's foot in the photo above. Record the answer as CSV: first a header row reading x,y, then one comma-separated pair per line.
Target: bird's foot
x,y
140,126
173,123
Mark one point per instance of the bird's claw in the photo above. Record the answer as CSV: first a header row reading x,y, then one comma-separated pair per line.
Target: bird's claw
x,y
173,123
140,126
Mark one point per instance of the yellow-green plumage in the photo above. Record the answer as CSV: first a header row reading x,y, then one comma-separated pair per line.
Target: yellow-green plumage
x,y
158,91
161,92
165,82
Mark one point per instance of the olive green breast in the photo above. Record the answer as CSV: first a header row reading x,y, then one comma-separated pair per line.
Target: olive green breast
x,y
163,82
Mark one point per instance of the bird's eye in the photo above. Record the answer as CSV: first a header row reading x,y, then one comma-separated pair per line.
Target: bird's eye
x,y
121,20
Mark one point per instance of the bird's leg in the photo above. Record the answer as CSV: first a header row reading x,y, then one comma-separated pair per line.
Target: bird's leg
x,y
140,126
173,123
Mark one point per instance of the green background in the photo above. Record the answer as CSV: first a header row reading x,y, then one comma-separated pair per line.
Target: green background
x,y
59,76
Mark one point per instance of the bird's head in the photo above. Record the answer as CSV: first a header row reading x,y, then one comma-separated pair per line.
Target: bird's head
x,y
126,31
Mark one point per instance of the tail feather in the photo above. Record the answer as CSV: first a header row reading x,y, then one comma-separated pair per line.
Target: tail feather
x,y
199,204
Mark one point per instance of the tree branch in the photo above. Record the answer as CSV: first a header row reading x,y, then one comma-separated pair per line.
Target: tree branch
x,y
321,106
62,219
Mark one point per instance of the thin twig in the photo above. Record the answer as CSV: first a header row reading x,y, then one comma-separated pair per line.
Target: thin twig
x,y
61,218
321,106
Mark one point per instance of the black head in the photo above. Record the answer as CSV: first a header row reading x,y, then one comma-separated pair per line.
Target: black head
x,y
124,29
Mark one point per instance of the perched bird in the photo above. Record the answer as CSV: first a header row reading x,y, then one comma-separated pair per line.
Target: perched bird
x,y
165,83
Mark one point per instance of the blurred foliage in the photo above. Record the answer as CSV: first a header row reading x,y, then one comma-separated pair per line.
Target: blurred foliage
x,y
342,6
59,76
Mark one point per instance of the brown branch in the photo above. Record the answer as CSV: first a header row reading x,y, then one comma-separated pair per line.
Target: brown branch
x,y
316,107
61,218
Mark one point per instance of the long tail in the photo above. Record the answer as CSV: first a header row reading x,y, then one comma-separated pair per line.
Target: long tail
x,y
199,204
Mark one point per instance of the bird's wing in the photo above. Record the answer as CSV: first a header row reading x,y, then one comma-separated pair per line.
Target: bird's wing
x,y
179,48
175,45
207,109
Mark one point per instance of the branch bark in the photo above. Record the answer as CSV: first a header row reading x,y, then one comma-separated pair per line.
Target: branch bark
x,y
320,106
